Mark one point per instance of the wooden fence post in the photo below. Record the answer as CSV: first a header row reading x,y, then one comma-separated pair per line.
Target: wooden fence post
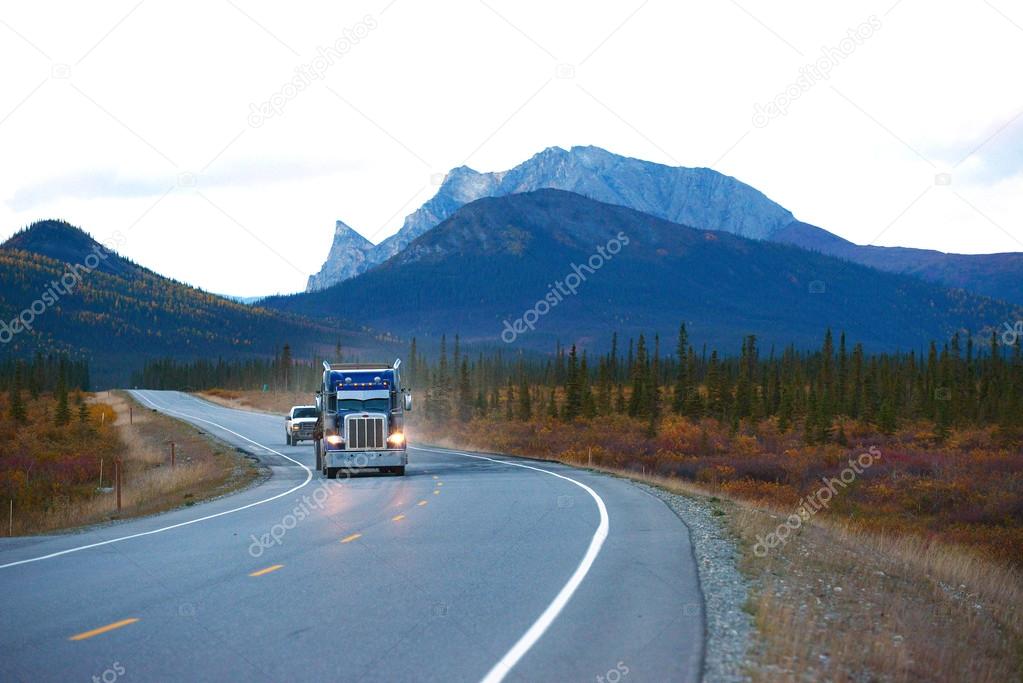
x,y
118,476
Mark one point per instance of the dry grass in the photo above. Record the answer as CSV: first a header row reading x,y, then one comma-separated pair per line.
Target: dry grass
x,y
204,469
835,603
278,402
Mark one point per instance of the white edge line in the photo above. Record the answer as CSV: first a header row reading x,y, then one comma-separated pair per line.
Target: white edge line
x,y
543,622
139,394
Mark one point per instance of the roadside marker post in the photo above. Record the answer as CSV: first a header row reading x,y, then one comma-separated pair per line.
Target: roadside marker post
x,y
118,476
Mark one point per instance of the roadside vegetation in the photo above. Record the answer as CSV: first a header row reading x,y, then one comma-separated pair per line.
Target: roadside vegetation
x,y
58,446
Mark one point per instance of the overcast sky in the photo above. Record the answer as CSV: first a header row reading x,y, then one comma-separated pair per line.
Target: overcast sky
x,y
147,117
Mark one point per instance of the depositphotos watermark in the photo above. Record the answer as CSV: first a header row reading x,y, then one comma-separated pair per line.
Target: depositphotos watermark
x,y
815,72
557,292
289,521
111,674
309,502
1011,332
815,502
62,286
315,70
614,674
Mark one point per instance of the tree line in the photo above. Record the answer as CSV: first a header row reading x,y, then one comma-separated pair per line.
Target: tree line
x,y
56,374
954,384
281,372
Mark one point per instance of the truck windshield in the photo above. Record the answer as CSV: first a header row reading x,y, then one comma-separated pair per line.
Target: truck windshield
x,y
304,412
375,405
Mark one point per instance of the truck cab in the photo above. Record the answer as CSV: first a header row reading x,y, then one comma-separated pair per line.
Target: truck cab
x,y
360,419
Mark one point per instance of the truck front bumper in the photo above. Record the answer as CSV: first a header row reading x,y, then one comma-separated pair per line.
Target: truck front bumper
x,y
366,459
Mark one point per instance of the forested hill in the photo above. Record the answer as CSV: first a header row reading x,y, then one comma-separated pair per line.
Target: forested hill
x,y
488,270
119,314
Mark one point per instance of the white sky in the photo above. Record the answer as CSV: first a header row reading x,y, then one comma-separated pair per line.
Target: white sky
x,y
135,116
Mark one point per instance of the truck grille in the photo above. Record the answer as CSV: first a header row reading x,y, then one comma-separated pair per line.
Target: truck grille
x,y
365,433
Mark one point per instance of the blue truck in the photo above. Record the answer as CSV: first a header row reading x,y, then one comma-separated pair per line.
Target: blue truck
x,y
360,424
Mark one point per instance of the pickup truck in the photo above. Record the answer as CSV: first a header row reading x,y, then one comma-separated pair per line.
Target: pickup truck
x,y
299,424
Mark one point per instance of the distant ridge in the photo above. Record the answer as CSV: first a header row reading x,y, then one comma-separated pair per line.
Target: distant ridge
x,y
697,197
497,258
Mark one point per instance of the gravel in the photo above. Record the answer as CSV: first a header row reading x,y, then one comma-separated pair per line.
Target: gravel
x,y
725,590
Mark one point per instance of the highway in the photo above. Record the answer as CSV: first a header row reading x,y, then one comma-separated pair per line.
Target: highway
x,y
471,567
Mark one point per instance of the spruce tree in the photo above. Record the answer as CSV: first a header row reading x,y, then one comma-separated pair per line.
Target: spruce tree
x,y
525,399
465,395
886,418
509,402
15,403
678,403
573,388
62,415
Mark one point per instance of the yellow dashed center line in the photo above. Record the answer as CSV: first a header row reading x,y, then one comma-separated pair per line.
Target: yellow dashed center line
x,y
421,503
397,518
103,629
349,539
440,483
269,569
435,476
436,492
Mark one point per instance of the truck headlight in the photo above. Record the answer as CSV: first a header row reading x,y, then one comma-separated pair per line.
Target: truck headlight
x,y
396,439
335,440
294,428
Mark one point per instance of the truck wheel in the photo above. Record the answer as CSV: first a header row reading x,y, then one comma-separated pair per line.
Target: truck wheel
x,y
319,457
400,470
287,438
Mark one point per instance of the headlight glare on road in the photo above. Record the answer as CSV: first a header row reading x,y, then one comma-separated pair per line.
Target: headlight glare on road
x,y
396,439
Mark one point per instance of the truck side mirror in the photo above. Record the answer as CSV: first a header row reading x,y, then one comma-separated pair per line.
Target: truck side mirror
x,y
408,401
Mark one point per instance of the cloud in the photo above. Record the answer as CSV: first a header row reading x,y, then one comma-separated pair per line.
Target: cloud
x,y
83,185
987,156
108,183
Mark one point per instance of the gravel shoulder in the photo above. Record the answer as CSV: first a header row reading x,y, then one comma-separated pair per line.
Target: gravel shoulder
x,y
726,592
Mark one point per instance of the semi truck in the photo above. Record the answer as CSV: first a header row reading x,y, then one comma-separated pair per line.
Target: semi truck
x,y
360,424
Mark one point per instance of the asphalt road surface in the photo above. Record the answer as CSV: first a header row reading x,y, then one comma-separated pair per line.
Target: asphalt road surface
x,y
470,567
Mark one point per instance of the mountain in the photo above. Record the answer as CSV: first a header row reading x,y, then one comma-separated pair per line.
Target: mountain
x,y
64,242
496,259
79,297
999,276
697,197
350,254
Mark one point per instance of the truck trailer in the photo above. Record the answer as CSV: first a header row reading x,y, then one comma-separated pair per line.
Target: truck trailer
x,y
360,423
